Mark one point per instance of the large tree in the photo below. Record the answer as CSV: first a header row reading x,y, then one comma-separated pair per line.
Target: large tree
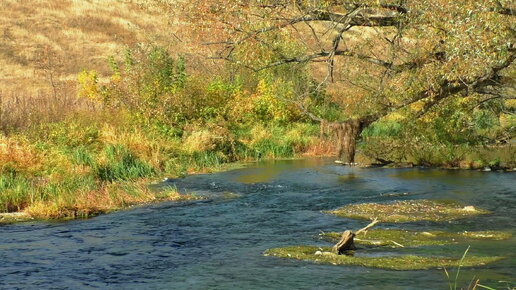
x,y
372,57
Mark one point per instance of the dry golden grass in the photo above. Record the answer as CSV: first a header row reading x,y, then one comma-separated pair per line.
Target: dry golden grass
x,y
106,198
63,37
19,155
21,109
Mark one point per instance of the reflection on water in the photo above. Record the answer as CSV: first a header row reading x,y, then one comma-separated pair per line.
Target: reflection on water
x,y
348,177
268,170
218,243
438,175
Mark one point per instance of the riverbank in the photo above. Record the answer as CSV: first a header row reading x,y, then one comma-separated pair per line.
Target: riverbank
x,y
81,168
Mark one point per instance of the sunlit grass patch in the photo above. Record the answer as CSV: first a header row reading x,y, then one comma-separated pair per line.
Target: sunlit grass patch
x,y
275,141
404,262
408,211
84,203
397,238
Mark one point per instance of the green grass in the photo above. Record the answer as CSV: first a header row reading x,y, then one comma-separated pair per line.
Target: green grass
x,y
82,167
81,156
402,263
15,192
122,165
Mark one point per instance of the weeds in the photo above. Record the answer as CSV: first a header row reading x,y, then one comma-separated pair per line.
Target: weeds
x,y
393,238
452,284
81,167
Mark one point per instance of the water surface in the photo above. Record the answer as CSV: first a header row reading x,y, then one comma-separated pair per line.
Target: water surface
x,y
218,243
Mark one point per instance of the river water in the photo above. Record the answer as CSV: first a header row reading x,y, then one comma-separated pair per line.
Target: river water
x,y
219,243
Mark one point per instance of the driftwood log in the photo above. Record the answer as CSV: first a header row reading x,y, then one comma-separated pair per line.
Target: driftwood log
x,y
347,241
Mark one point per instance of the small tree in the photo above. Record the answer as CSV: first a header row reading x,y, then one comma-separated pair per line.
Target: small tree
x,y
374,57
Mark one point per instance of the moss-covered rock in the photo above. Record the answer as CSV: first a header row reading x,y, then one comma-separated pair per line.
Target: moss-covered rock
x,y
404,262
398,238
408,211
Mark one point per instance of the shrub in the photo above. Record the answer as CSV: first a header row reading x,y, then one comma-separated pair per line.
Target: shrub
x,y
146,83
88,86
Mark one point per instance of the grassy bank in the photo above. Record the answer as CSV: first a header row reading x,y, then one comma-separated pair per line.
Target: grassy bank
x,y
82,166
95,149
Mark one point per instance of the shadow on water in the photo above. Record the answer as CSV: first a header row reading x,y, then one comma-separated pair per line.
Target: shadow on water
x,y
218,243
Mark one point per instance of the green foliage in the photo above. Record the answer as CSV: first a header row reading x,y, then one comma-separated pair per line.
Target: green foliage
x,y
70,133
81,156
383,129
154,87
121,164
146,83
275,141
16,192
451,133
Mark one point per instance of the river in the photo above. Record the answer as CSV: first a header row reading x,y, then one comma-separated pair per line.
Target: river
x,y
218,243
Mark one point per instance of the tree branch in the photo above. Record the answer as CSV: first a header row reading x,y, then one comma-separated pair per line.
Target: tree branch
x,y
449,88
366,228
348,53
356,19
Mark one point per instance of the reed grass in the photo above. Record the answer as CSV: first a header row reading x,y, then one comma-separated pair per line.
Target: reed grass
x,y
90,163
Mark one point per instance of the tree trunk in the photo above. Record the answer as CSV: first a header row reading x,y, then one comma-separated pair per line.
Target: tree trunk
x,y
347,242
347,135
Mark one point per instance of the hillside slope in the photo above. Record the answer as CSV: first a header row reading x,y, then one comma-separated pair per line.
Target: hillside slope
x,y
40,39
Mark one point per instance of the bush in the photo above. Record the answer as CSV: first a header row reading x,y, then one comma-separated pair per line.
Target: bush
x,y
146,83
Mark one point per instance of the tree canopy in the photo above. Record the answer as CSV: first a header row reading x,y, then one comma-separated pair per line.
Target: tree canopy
x,y
371,57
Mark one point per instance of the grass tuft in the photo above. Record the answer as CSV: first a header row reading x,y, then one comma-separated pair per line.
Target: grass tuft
x,y
121,164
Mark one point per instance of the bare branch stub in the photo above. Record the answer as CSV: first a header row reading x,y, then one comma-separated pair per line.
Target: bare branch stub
x,y
347,242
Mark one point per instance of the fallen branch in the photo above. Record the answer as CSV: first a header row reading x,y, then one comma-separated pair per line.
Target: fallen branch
x,y
372,224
